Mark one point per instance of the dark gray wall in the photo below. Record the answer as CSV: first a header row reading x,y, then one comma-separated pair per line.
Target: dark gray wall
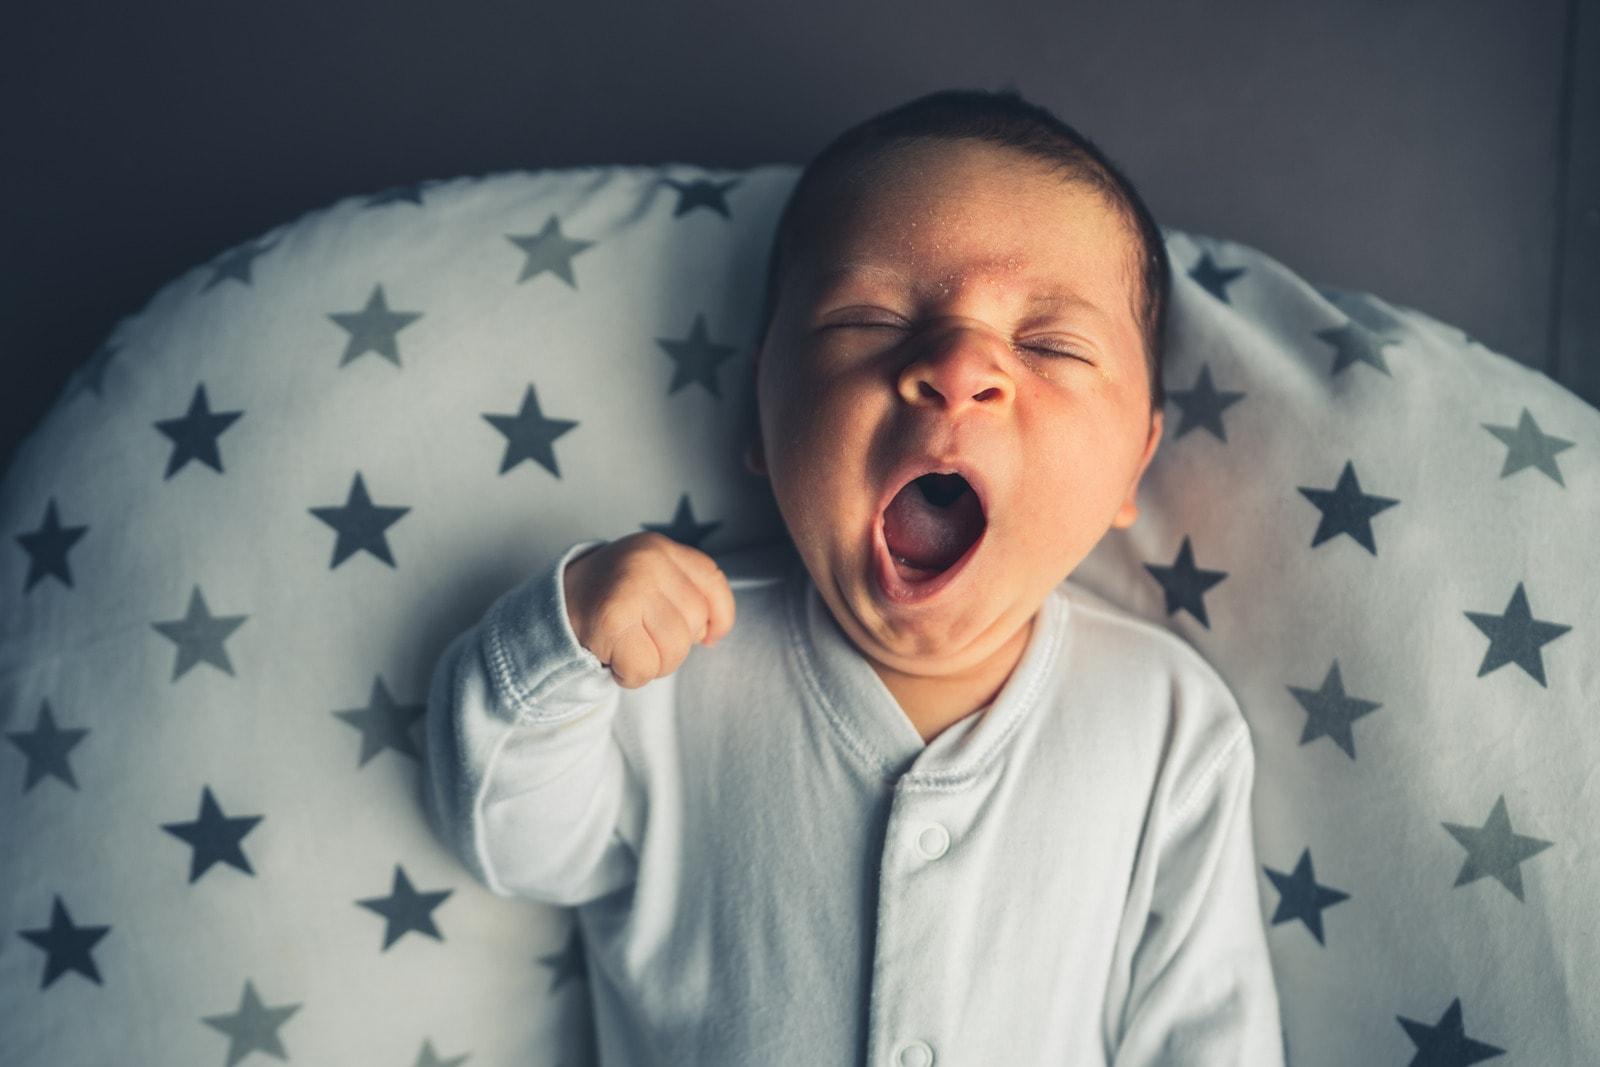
x,y
1443,155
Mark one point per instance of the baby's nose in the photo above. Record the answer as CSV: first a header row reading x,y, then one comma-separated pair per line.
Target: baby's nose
x,y
959,366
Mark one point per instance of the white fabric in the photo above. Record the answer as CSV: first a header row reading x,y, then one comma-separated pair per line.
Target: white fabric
x,y
770,866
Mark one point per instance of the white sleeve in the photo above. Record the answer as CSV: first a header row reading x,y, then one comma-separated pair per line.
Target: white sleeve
x,y
522,777
1201,989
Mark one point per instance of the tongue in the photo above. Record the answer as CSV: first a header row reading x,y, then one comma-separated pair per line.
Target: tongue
x,y
928,536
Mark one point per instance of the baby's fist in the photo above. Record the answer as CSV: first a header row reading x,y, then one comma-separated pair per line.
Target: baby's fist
x,y
641,602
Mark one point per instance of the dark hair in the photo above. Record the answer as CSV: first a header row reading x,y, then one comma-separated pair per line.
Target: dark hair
x,y
1005,119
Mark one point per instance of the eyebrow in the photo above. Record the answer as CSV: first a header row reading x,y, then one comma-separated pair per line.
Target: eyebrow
x,y
1054,298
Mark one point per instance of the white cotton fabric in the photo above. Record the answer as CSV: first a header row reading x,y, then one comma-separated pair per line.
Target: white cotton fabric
x,y
770,866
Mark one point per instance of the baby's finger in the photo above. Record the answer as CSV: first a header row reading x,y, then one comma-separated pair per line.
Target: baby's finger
x,y
664,621
713,584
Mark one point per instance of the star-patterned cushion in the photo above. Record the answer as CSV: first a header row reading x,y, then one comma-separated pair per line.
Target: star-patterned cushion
x,y
256,515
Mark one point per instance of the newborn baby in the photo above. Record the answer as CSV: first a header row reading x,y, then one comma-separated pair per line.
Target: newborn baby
x,y
926,801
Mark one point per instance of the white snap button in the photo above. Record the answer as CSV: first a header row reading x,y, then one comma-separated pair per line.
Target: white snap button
x,y
914,1054
934,840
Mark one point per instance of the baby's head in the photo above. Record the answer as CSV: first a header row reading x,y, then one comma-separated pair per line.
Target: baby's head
x,y
961,283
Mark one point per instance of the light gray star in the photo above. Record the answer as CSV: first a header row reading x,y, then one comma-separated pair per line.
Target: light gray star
x,y
253,1027
1494,850
1215,279
1515,636
1330,712
1528,446
383,723
697,357
47,548
199,636
1203,405
1185,584
373,328
46,748
529,435
1346,510
1300,897
1446,1044
396,193
91,376
683,529
405,909
236,264
429,1058
702,192
360,524
569,962
549,250
194,436
1353,343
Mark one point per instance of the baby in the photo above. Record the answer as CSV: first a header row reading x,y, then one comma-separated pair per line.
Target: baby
x,y
928,802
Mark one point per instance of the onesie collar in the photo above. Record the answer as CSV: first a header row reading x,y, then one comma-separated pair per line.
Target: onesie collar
x,y
869,721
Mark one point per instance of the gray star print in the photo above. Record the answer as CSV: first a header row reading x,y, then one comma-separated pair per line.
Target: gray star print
x,y
360,524
549,250
1330,711
1215,279
683,528
46,748
1515,636
1185,584
1203,406
702,192
1346,510
373,328
383,723
429,1058
529,435
406,909
66,945
253,1027
697,358
1494,850
1528,446
569,963
199,636
194,436
47,548
1300,897
1355,344
213,837
236,264
1446,1044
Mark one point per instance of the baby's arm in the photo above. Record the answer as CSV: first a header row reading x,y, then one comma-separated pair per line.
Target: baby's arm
x,y
1201,988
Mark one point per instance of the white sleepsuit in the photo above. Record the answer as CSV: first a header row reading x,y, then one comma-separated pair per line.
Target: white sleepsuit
x,y
770,867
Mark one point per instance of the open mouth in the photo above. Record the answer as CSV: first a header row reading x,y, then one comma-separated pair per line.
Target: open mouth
x,y
929,528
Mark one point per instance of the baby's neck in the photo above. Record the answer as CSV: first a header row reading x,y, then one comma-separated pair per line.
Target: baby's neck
x,y
935,704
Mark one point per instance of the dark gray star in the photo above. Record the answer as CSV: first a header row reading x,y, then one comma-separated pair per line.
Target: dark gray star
x,y
1346,510
549,250
373,328
406,909
396,193
199,636
683,529
91,376
1515,636
1528,446
66,946
47,548
1203,406
1300,897
360,524
429,1058
46,748
1353,343
702,192
697,358
1185,584
1494,849
1330,712
253,1027
383,723
213,837
236,264
569,962
195,435
1446,1044
529,434
1363,309
1215,279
